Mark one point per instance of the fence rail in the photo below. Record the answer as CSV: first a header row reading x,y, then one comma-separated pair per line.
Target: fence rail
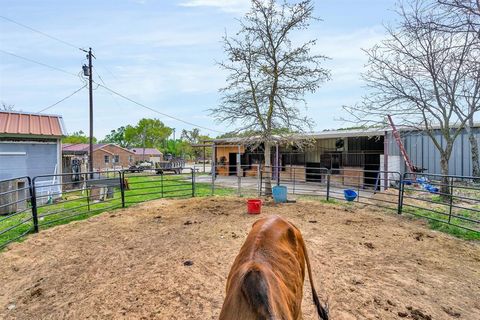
x,y
449,200
16,219
30,205
416,194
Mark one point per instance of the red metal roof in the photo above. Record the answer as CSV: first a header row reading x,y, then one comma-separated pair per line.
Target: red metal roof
x,y
85,147
19,123
79,147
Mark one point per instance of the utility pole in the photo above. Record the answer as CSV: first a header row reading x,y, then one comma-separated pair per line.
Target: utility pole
x,y
90,92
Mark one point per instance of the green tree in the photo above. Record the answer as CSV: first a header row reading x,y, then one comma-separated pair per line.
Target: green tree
x,y
117,136
149,133
194,137
179,148
77,137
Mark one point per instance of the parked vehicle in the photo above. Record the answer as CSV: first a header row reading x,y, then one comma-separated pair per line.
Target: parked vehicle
x,y
174,165
136,168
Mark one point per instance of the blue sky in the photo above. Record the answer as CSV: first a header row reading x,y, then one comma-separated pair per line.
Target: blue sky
x,y
162,54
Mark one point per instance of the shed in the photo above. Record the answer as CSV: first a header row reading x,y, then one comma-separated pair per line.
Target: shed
x,y
30,144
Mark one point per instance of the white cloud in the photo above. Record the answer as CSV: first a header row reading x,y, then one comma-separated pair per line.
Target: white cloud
x,y
225,5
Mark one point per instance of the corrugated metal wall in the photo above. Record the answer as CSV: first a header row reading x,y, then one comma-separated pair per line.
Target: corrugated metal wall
x,y
27,159
423,152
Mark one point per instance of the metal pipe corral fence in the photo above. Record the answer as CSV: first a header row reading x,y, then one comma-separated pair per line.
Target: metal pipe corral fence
x,y
28,205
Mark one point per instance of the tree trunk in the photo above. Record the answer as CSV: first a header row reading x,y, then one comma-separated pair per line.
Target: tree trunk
x,y
445,188
475,156
268,169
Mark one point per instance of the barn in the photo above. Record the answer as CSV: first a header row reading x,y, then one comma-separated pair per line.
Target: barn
x,y
347,151
423,153
334,149
30,144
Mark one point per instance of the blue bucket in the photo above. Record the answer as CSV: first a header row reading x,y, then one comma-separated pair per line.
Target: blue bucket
x,y
279,194
349,194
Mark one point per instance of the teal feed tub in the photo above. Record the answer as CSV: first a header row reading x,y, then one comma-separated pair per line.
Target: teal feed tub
x,y
279,194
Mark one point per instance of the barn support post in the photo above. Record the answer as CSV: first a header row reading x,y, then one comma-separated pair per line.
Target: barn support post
x,y
213,169
33,200
239,168
260,179
277,164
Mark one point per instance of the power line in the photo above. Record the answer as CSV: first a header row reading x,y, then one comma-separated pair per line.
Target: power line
x,y
60,101
111,94
156,111
108,70
41,32
75,75
38,62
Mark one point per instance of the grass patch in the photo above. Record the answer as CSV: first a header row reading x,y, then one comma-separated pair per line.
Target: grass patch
x,y
455,231
439,222
76,205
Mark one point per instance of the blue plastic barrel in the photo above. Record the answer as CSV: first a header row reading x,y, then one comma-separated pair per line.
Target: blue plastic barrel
x,y
279,194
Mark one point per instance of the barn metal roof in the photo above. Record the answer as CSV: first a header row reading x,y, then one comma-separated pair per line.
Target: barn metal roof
x,y
327,134
22,123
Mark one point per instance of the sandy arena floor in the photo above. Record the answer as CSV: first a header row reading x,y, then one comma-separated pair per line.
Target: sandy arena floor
x,y
128,264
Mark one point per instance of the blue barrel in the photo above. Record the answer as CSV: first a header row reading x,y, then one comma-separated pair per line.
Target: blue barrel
x,y
279,194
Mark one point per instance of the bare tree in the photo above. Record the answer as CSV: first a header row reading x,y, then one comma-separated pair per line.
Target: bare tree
x,y
471,8
269,74
464,16
7,107
423,76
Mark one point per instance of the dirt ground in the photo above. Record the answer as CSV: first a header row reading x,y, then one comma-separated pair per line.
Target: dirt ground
x,y
129,264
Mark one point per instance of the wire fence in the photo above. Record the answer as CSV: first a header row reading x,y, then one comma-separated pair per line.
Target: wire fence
x,y
30,205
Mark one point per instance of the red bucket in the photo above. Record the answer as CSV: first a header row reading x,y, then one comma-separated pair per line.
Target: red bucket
x,y
254,206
